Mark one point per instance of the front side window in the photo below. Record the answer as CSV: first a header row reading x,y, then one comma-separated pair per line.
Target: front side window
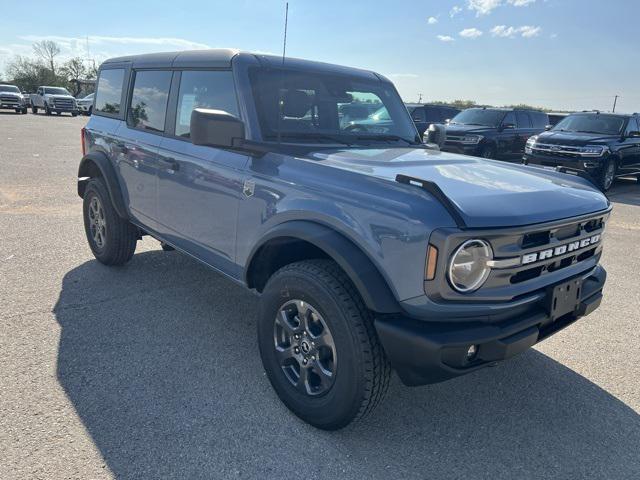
x,y
204,89
109,91
632,126
480,116
509,119
148,107
418,115
598,123
316,107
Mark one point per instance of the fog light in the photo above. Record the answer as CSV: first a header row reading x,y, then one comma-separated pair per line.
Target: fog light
x,y
471,353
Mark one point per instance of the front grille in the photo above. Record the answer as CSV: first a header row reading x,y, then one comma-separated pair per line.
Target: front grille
x,y
565,151
505,284
10,100
63,103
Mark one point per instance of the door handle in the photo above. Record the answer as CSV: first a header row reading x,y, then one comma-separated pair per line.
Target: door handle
x,y
171,166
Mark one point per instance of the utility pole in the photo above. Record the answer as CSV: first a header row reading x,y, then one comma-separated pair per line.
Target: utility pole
x,y
615,100
419,98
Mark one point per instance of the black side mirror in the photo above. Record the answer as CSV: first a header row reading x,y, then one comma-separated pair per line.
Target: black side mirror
x,y
548,127
216,128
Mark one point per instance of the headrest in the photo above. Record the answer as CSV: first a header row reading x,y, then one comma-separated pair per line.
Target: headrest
x,y
296,103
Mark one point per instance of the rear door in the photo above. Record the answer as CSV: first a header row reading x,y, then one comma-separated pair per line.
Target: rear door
x,y
199,187
137,143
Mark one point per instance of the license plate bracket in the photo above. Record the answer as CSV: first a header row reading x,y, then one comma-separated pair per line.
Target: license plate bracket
x,y
564,298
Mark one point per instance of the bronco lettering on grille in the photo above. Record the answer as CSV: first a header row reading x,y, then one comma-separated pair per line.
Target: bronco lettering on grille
x,y
560,250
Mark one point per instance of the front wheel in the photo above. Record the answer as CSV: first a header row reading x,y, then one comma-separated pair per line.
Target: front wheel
x,y
47,110
318,345
488,152
607,175
24,111
111,238
34,110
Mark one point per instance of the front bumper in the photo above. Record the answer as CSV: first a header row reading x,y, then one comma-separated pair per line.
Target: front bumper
x,y
430,352
83,108
590,165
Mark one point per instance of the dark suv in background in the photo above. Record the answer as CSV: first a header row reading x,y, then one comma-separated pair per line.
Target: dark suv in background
x,y
499,133
424,115
603,145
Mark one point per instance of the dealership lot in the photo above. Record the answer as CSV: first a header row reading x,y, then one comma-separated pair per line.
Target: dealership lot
x,y
152,369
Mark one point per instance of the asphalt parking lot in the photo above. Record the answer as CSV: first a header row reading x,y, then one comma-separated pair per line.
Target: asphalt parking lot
x,y
152,371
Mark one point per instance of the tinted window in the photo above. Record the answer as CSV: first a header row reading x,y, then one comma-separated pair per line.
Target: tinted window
x,y
509,119
479,116
149,100
523,120
9,88
109,92
417,113
213,90
592,123
539,119
632,126
56,91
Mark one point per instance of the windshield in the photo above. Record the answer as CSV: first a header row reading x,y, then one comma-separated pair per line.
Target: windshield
x,y
89,97
56,91
591,123
9,88
313,107
479,116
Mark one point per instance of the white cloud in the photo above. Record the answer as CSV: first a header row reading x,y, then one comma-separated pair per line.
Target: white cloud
x,y
526,31
445,38
455,11
432,20
485,7
470,33
553,35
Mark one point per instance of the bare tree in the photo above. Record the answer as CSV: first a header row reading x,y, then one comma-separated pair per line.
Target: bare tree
x,y
47,51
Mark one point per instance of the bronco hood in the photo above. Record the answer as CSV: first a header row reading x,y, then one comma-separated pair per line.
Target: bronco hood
x,y
487,193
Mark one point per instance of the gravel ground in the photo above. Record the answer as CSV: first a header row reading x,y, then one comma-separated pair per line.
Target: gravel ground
x,y
152,370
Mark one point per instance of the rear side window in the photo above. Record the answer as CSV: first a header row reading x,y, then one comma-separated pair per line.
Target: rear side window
x,y
148,107
523,120
417,114
204,89
539,119
509,119
109,91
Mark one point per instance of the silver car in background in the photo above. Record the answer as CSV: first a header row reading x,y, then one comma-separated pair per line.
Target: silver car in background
x,y
85,105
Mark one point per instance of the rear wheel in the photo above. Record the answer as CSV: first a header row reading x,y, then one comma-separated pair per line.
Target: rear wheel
x,y
34,110
24,111
111,238
318,345
607,174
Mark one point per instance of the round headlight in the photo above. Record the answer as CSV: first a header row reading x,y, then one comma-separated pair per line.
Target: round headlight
x,y
468,268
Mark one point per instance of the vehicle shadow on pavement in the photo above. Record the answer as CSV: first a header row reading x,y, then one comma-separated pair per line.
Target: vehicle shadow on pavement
x,y
625,190
160,361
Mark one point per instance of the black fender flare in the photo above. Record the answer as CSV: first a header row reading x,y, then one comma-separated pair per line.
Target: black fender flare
x,y
365,276
105,169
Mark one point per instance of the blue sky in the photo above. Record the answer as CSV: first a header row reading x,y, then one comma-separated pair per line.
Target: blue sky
x,y
564,54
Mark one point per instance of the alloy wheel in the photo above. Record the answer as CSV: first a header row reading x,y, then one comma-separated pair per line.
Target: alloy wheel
x,y
97,222
305,349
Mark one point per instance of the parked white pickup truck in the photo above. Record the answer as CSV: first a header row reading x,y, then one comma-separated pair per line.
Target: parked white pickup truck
x,y
53,100
11,98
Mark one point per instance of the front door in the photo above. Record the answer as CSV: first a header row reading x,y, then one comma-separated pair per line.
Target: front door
x,y
199,188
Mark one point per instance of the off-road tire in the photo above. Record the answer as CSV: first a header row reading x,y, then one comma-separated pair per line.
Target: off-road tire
x,y
120,236
362,370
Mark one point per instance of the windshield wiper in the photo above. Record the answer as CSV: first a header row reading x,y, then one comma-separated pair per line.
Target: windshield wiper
x,y
385,138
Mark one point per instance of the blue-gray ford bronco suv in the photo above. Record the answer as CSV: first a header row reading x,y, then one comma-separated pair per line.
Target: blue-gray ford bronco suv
x,y
369,250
